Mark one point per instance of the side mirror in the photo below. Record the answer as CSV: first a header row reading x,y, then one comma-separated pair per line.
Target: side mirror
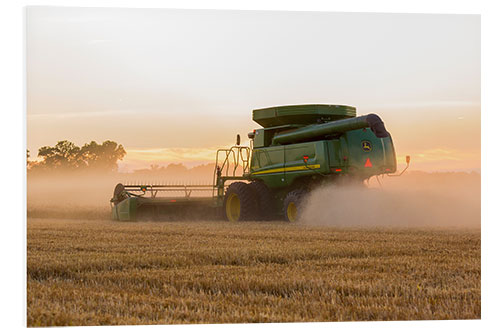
x,y
238,139
407,159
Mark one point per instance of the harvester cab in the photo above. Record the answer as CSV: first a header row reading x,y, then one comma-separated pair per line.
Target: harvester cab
x,y
298,148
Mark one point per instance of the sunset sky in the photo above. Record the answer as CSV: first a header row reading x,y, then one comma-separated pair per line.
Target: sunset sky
x,y
174,85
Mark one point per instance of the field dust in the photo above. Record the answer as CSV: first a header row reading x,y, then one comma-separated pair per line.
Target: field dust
x,y
84,269
415,199
87,196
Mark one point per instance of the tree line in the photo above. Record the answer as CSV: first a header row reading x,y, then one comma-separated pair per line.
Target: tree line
x,y
66,155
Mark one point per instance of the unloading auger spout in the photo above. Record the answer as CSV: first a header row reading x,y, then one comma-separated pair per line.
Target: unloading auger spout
x,y
307,133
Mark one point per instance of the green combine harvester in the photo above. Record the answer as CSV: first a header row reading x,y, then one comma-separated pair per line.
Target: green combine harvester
x,y
298,148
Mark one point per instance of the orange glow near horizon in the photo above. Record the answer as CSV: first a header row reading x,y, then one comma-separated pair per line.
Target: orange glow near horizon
x,y
172,86
432,160
437,139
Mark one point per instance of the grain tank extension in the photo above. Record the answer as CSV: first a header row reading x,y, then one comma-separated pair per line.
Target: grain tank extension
x,y
298,148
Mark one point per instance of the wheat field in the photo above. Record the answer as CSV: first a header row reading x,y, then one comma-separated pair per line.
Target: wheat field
x,y
99,272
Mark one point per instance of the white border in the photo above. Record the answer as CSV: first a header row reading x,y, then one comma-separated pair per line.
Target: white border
x,y
13,303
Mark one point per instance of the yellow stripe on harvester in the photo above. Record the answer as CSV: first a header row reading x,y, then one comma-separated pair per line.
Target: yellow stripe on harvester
x,y
294,168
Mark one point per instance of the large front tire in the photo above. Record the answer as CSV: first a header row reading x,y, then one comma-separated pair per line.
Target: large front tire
x,y
265,201
240,202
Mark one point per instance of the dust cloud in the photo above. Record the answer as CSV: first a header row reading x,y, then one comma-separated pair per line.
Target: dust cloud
x,y
87,195
415,199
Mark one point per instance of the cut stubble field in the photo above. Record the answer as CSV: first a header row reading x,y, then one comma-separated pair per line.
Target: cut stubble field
x,y
83,272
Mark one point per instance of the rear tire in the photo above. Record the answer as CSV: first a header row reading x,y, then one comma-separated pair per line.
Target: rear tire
x,y
293,205
265,201
240,202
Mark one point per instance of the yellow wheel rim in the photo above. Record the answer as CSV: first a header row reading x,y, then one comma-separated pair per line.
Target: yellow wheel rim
x,y
233,207
291,212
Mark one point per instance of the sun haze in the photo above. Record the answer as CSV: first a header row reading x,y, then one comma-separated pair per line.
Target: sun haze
x,y
173,85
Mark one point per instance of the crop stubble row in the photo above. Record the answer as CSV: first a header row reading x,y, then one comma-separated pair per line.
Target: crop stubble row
x,y
105,273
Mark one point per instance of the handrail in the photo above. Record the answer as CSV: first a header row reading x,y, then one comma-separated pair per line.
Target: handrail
x,y
240,156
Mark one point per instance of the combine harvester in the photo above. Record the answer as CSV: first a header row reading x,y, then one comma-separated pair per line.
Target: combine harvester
x,y
299,148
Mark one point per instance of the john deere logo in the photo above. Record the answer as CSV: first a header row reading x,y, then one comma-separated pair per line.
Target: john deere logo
x,y
366,145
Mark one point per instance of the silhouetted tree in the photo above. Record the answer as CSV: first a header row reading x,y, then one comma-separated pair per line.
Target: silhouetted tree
x,y
64,155
103,156
178,168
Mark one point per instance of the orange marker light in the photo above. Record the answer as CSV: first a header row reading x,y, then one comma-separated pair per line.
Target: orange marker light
x,y
368,163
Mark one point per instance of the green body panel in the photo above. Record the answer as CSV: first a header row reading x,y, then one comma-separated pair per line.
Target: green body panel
x,y
335,153
259,138
269,158
317,160
282,165
381,155
129,208
126,210
296,154
268,164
